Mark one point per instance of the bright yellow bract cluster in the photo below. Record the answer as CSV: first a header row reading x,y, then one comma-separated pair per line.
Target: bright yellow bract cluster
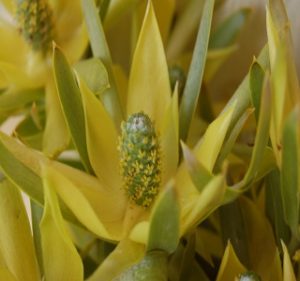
x,y
35,18
140,159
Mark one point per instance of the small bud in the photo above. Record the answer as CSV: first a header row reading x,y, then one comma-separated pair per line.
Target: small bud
x,y
36,23
140,159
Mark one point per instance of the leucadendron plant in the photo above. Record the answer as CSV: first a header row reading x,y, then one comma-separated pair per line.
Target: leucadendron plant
x,y
166,182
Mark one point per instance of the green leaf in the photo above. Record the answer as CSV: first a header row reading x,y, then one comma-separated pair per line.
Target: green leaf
x,y
36,216
16,243
233,228
194,79
259,236
261,139
152,267
164,222
100,50
242,96
232,137
17,171
198,173
71,102
274,206
61,260
290,171
256,85
30,129
227,31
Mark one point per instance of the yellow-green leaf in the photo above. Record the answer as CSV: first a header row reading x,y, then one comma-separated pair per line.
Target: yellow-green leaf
x,y
61,260
102,139
288,271
194,78
204,203
100,50
209,147
199,174
164,222
149,86
290,171
91,205
169,139
54,144
71,103
124,255
16,243
230,266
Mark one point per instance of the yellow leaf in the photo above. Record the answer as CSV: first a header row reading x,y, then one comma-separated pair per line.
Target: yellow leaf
x,y
149,86
288,272
230,266
56,135
125,254
209,147
91,205
61,260
102,139
169,140
16,243
203,204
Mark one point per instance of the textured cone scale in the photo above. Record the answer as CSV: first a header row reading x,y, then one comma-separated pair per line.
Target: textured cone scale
x,y
140,159
36,23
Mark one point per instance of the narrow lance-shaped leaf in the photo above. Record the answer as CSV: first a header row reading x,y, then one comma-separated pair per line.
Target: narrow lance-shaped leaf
x,y
100,50
290,171
261,139
16,242
61,260
71,102
36,216
256,85
242,95
17,171
228,30
194,79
